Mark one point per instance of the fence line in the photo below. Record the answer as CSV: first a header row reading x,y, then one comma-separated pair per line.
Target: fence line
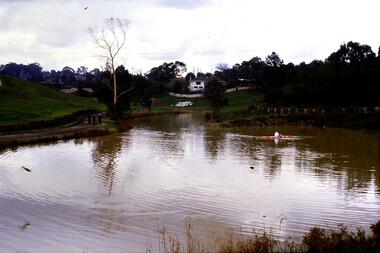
x,y
178,95
291,110
238,88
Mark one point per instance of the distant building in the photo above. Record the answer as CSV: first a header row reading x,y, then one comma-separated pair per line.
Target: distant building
x,y
197,84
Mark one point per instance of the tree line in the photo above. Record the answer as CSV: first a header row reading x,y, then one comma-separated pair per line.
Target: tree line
x,y
65,78
349,76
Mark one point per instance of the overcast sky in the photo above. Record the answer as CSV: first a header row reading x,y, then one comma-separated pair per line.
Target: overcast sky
x,y
200,33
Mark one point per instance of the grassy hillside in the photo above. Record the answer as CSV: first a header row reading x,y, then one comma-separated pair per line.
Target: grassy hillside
x,y
236,102
239,100
24,102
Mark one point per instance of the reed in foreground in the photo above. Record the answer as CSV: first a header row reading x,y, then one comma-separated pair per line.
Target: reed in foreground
x,y
316,240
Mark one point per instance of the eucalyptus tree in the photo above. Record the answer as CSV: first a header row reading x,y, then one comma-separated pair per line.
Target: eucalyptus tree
x,y
110,39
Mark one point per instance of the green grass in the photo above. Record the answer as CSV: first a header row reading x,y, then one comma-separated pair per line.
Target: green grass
x,y
24,102
167,101
236,102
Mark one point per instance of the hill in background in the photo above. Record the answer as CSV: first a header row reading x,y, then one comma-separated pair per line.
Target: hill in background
x,y
23,102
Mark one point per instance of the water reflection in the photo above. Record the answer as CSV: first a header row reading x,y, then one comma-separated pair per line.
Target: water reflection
x,y
352,156
105,155
109,193
214,141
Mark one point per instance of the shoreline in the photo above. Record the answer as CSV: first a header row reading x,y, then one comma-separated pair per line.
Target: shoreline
x,y
72,130
349,121
146,114
48,135
316,239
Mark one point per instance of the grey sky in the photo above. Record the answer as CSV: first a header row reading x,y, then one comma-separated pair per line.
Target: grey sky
x,y
200,33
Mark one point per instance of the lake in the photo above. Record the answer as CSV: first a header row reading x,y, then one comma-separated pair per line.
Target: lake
x,y
112,193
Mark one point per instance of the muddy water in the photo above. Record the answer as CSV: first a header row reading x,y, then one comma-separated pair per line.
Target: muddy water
x,y
111,194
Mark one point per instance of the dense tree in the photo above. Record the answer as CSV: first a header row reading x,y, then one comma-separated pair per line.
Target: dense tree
x,y
351,53
105,94
190,76
221,67
250,70
179,85
349,76
31,72
68,75
274,60
167,72
214,93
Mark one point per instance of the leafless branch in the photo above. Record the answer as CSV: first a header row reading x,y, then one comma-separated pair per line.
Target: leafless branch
x,y
111,40
128,90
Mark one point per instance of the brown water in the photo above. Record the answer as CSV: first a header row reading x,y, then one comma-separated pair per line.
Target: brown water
x,y
110,194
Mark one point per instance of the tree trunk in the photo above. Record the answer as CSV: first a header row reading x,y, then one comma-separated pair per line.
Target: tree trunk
x,y
114,90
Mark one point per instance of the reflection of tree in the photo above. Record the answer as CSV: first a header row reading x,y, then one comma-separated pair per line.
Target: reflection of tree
x,y
248,147
104,156
272,159
214,141
168,123
351,157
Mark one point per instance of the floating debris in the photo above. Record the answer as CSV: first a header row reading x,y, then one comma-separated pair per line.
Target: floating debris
x,y
25,226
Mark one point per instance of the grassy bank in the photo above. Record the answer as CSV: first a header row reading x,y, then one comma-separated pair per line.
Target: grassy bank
x,y
237,101
239,112
316,240
23,102
353,121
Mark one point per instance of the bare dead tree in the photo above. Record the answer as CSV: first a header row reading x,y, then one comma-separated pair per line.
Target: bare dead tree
x,y
110,39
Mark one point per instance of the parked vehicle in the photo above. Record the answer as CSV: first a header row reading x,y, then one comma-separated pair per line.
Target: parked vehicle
x,y
184,104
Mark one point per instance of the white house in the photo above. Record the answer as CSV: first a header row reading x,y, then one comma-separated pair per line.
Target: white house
x,y
197,84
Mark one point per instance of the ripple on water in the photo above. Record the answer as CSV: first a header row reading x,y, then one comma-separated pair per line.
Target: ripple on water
x,y
112,193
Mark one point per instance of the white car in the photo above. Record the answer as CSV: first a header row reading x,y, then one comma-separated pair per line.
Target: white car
x,y
184,104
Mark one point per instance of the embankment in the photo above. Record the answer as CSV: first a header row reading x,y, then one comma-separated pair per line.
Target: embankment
x,y
53,134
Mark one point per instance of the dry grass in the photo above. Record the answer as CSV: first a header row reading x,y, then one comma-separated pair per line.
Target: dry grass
x,y
317,240
169,243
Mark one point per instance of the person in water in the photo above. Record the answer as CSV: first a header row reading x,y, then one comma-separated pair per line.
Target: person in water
x,y
277,136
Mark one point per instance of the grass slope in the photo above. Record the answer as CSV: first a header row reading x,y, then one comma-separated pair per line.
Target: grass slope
x,y
24,102
239,100
236,102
